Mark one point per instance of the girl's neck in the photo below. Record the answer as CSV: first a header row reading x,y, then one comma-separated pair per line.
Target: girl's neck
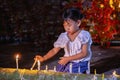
x,y
74,35
77,31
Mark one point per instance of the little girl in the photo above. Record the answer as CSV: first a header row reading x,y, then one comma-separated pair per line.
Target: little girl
x,y
76,43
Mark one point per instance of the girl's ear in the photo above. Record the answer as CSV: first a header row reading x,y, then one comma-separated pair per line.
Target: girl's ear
x,y
79,22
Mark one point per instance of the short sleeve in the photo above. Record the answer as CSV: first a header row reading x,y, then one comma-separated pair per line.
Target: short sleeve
x,y
84,37
61,41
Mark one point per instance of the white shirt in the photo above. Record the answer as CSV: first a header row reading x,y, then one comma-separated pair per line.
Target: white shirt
x,y
75,47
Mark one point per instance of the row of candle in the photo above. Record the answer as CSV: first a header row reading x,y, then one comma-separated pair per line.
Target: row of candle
x,y
114,76
17,58
95,77
38,64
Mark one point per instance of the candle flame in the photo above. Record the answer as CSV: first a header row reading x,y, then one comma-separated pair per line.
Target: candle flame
x,y
119,5
111,4
17,56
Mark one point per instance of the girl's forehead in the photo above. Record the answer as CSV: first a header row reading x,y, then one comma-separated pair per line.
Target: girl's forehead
x,y
68,20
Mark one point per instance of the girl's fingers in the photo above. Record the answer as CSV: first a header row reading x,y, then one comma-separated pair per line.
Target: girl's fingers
x,y
60,58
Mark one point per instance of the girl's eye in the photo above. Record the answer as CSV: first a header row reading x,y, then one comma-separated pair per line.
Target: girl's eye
x,y
65,23
69,24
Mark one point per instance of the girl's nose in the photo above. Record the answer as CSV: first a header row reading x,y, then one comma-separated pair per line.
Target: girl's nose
x,y
68,28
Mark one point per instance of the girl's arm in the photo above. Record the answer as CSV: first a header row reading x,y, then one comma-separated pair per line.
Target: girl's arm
x,y
50,54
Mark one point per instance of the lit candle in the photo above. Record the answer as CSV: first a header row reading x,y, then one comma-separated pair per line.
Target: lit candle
x,y
70,67
46,67
38,65
103,76
17,56
33,64
54,68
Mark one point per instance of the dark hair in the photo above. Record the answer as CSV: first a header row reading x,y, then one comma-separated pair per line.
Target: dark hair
x,y
72,13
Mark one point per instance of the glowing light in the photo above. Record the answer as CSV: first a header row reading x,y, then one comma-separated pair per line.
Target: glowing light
x,y
17,56
119,5
114,15
103,32
101,5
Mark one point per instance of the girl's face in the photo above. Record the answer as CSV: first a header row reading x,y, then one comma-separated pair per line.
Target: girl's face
x,y
71,26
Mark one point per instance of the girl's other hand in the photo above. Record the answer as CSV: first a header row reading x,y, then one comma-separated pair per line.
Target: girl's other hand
x,y
63,60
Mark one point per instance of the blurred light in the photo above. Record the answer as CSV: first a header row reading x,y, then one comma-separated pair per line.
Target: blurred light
x,y
17,55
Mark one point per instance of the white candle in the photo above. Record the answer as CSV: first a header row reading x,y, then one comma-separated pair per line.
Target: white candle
x,y
54,68
46,67
95,72
38,65
95,76
79,70
17,56
103,76
70,68
33,64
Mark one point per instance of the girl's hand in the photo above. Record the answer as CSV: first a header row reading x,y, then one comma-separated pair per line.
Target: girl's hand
x,y
63,60
38,57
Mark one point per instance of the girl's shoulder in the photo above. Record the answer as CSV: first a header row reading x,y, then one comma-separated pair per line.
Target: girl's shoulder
x,y
63,35
84,32
85,37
